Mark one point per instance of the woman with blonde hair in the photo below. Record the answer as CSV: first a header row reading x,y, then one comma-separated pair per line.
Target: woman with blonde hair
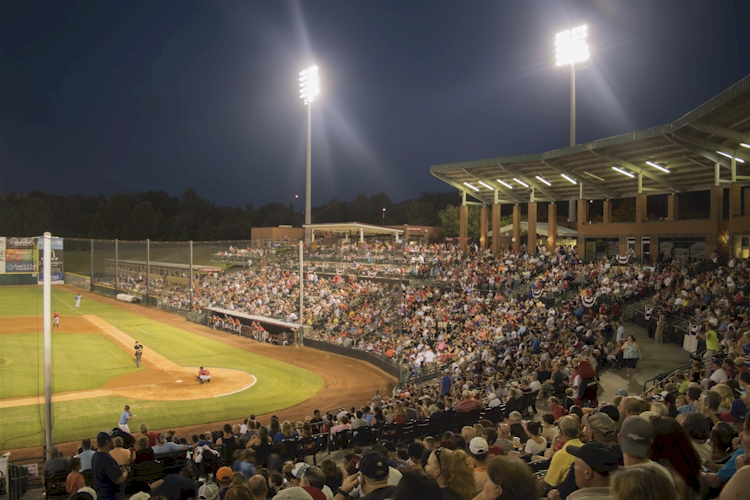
x,y
453,472
641,482
286,432
726,396
400,416
509,479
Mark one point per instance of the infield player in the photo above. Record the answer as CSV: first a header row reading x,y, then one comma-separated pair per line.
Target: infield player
x,y
78,300
204,375
138,353
56,319
125,418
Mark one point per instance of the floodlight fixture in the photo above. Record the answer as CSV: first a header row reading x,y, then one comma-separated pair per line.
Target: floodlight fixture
x,y
309,88
569,179
571,46
520,182
309,84
722,153
624,172
658,167
486,185
471,186
543,180
505,184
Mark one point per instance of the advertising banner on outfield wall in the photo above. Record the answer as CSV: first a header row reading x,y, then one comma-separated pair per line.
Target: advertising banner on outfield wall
x,y
56,261
2,254
20,255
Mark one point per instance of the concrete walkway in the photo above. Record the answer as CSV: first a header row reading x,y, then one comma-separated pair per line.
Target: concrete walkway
x,y
657,358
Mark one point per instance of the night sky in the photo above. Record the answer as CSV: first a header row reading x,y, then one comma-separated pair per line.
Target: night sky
x,y
104,97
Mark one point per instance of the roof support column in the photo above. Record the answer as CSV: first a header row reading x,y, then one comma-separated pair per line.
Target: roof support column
x,y
714,242
463,223
735,200
552,227
572,211
531,238
607,215
717,174
673,207
641,202
516,226
483,222
583,212
496,228
312,235
361,235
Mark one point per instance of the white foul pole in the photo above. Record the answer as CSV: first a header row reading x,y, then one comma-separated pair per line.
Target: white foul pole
x,y
47,294
301,293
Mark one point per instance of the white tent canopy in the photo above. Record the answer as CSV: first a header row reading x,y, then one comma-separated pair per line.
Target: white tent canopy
x,y
348,229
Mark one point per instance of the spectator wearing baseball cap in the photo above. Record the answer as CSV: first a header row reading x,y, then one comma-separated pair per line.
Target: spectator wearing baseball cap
x,y
372,477
297,471
598,427
636,436
593,463
736,413
108,477
478,448
293,493
208,491
224,477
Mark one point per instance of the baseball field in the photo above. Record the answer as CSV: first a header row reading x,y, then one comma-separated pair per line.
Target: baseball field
x,y
94,371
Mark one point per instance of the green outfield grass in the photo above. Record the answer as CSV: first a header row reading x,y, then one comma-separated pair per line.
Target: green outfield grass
x,y
279,385
80,361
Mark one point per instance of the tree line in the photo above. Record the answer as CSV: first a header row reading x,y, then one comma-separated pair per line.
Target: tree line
x,y
161,216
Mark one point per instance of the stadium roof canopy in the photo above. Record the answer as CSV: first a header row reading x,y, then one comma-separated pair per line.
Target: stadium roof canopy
x,y
542,229
354,229
688,148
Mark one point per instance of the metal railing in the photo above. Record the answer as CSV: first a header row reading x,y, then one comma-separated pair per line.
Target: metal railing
x,y
18,481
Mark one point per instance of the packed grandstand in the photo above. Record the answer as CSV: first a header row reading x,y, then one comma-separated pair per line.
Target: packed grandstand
x,y
517,342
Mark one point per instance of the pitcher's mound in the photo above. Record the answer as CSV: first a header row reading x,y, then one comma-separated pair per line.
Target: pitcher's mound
x,y
179,384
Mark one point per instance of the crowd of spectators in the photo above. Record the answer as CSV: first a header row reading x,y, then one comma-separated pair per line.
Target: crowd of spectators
x,y
685,439
531,363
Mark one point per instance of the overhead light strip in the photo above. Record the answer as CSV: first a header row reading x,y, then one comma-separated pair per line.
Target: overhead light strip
x,y
520,182
486,185
471,186
505,184
545,181
624,172
658,167
722,153
569,179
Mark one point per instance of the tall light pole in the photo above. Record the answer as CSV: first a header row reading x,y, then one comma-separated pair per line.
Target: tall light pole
x,y
309,87
570,48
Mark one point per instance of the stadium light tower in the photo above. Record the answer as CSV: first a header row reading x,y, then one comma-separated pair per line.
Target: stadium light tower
x,y
309,88
570,48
